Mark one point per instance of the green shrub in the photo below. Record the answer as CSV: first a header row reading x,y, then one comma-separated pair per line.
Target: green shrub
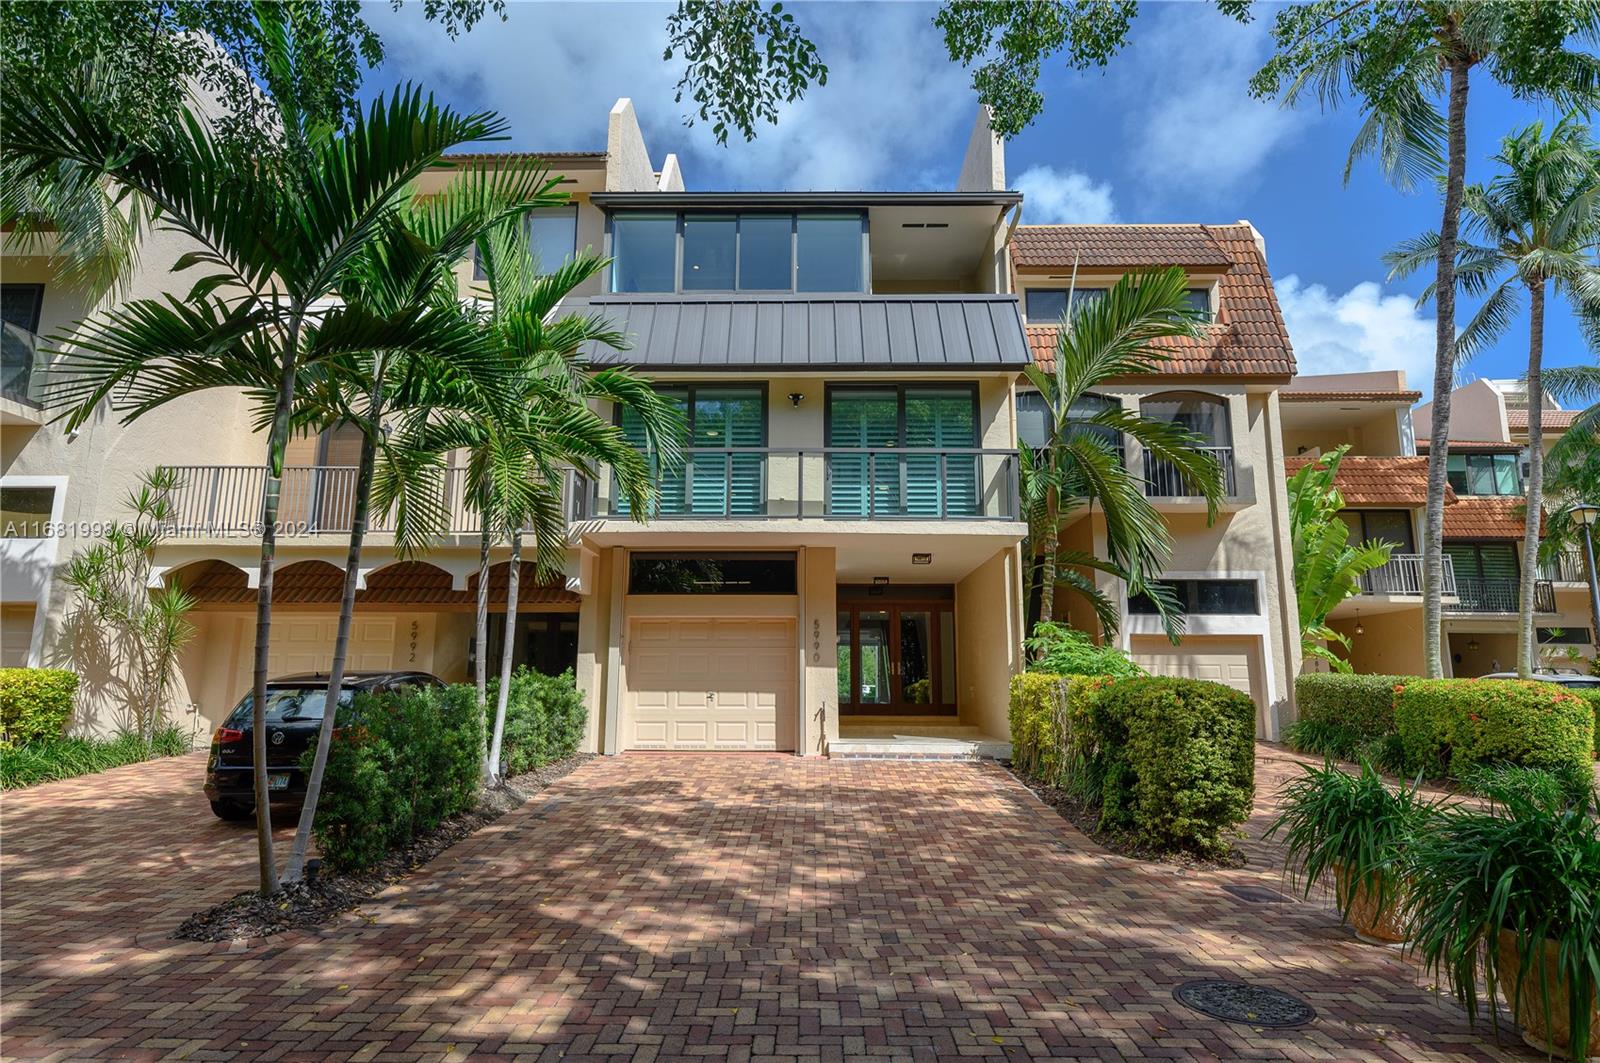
x,y
50,759
1593,698
1450,726
1061,650
1324,738
545,719
1363,704
1168,762
35,703
1540,785
399,766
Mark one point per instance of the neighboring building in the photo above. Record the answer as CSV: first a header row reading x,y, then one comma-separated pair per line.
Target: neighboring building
x,y
1233,573
1385,485
838,561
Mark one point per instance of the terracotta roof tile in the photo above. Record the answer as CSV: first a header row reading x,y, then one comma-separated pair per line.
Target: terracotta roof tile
x,y
1296,395
1365,481
1498,446
1482,517
1551,418
1248,337
407,583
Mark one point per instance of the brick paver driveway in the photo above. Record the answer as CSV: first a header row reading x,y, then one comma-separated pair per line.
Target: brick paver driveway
x,y
658,906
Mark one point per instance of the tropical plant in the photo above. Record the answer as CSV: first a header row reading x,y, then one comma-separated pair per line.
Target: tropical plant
x,y
278,242
119,626
1398,57
1488,886
1355,830
1534,224
1080,463
1061,650
407,270
1327,566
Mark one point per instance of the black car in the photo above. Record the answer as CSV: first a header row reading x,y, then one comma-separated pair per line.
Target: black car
x,y
294,715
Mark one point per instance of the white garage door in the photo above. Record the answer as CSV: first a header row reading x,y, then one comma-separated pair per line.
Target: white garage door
x,y
710,684
305,644
1231,662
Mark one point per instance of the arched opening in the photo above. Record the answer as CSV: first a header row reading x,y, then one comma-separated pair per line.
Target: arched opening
x,y
1206,416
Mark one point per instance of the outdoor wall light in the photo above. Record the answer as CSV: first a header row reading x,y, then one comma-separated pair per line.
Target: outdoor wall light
x,y
1359,629
796,397
1472,645
922,559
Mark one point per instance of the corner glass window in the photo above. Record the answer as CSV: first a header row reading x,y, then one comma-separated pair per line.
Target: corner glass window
x,y
711,574
25,511
644,250
828,253
766,252
709,250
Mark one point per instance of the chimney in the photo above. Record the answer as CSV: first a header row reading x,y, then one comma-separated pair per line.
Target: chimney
x,y
984,167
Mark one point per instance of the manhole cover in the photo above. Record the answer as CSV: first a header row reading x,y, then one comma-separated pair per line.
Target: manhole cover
x,y
1254,894
1241,1002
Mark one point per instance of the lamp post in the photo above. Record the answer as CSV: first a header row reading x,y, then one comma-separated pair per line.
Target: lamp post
x,y
1586,515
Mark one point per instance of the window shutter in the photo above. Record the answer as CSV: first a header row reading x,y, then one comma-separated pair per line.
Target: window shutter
x,y
941,484
859,485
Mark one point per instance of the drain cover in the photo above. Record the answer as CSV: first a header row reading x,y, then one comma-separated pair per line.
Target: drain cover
x,y
1254,894
1245,1003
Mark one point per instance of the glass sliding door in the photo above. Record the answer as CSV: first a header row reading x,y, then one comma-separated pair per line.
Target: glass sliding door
x,y
723,473
882,481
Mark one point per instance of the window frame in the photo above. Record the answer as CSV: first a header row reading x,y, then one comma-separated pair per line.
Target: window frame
x,y
1077,290
787,557
1186,587
969,386
478,273
1367,535
794,216
1494,458
690,389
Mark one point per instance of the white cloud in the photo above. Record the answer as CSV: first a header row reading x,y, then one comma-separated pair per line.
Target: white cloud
x,y
1060,196
1195,127
1360,330
555,69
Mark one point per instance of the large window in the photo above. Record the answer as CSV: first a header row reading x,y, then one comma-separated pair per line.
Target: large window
x,y
917,444
766,252
25,511
552,238
1381,525
1033,419
1045,306
1484,474
1205,597
723,472
711,574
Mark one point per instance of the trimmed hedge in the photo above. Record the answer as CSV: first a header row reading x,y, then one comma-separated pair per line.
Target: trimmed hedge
x,y
1170,763
1452,726
1593,698
1364,704
35,703
400,766
545,719
51,759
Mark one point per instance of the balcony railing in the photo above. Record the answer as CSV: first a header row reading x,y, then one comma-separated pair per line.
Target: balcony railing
x,y
1566,567
1162,479
1478,595
837,483
21,371
312,500
1402,576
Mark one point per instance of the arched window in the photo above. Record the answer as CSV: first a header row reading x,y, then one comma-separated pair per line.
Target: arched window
x,y
1204,415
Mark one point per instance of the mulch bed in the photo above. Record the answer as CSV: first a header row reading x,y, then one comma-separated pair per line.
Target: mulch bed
x,y
1086,818
314,902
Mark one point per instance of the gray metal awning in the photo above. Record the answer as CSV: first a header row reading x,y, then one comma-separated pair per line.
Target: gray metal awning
x,y
806,332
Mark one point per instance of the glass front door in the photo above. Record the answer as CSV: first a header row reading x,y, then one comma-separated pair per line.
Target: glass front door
x,y
896,659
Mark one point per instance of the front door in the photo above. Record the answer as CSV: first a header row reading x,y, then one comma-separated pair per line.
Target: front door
x,y
896,658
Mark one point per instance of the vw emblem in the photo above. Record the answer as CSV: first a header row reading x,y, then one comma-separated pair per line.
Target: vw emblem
x,y
277,738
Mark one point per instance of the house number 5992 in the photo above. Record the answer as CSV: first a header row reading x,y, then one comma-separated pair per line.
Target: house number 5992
x,y
413,658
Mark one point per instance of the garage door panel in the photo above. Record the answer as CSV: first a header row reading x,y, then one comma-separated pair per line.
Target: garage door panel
x,y
710,683
305,644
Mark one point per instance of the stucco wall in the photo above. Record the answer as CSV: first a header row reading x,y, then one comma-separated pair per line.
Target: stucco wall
x,y
988,642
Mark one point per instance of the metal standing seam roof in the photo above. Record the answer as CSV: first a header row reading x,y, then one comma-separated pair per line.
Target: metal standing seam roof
x,y
927,332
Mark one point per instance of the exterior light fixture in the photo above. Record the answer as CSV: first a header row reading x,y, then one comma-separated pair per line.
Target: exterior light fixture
x,y
1472,645
1359,629
922,559
796,398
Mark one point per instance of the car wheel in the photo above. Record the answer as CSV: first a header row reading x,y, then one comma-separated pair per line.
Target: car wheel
x,y
232,811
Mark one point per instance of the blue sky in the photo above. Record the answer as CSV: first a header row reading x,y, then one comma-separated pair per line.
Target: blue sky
x,y
1167,133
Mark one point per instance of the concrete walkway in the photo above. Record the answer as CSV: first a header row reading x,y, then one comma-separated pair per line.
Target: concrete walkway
x,y
656,906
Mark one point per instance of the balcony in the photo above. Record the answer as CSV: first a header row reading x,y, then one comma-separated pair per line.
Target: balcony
x,y
1566,567
1163,480
226,501
1401,577
1478,595
833,483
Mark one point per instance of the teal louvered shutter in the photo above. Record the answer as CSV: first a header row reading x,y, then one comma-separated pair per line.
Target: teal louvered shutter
x,y
669,481
866,484
723,481
941,484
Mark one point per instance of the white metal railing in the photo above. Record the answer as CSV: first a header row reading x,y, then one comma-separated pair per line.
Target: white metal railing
x,y
1163,479
1402,575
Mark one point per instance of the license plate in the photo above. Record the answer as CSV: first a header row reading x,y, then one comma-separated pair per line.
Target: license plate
x,y
277,782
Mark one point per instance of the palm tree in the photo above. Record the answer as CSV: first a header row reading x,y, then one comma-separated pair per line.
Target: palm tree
x,y
1327,566
1080,463
278,241
407,270
1398,59
1536,223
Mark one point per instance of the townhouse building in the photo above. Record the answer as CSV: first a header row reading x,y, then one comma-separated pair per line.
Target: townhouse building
x,y
1384,480
836,566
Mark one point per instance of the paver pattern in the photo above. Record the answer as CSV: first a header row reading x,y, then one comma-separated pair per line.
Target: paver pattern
x,y
659,906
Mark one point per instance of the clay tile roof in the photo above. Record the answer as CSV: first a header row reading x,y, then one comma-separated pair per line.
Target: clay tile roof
x,y
1482,517
1296,395
1365,481
1497,446
1551,418
406,583
1248,337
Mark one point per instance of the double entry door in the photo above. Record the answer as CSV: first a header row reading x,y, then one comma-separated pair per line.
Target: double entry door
x,y
896,658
